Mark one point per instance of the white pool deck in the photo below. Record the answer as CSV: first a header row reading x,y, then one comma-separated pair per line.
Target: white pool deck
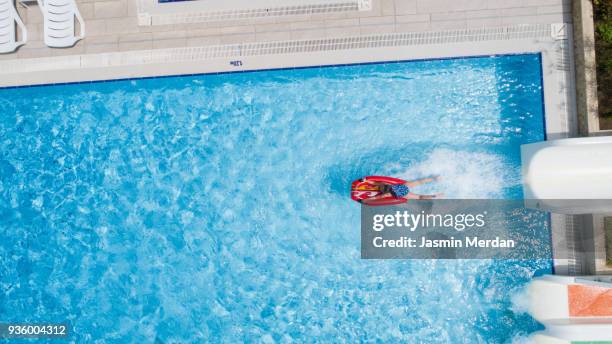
x,y
113,25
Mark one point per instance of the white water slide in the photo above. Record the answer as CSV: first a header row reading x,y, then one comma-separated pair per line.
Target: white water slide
x,y
569,176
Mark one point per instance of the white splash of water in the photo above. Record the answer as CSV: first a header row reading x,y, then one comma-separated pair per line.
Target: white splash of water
x,y
523,340
463,174
520,301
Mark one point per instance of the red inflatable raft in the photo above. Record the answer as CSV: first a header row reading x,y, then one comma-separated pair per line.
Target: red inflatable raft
x,y
361,190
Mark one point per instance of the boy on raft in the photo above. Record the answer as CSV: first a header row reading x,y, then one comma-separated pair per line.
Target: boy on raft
x,y
402,190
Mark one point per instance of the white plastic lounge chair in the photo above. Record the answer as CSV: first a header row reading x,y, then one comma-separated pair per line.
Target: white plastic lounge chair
x,y
8,18
59,19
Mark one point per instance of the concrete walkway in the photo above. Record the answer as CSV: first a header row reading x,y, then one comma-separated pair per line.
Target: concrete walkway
x,y
112,25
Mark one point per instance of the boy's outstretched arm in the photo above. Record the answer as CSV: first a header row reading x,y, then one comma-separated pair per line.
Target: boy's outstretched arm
x,y
422,181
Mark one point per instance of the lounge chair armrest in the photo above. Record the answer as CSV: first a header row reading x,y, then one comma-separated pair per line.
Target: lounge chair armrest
x,y
79,18
23,28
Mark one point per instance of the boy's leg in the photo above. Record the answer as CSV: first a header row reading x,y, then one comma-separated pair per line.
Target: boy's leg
x,y
417,196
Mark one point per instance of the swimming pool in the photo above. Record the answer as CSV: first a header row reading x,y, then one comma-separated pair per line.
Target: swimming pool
x,y
215,207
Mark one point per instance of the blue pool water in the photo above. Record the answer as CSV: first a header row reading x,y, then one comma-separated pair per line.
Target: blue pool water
x,y
215,207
